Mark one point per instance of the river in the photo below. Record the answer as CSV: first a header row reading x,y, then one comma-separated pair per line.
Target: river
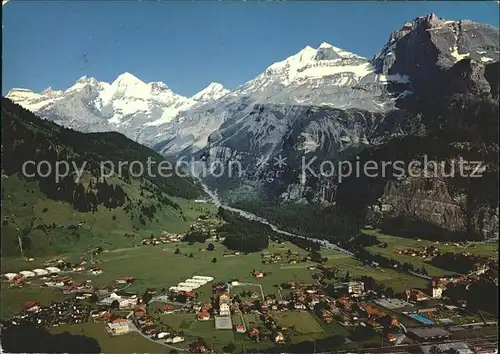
x,y
214,199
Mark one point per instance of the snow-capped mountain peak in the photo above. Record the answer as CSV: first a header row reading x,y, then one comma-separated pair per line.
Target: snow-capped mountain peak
x,y
213,91
125,105
326,60
127,79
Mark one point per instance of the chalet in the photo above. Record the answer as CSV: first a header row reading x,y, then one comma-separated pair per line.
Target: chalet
x,y
203,316
189,294
418,295
17,280
161,335
166,309
175,339
10,276
206,307
139,312
254,333
40,272
224,304
124,280
299,306
279,337
31,306
118,328
53,270
240,328
96,271
27,273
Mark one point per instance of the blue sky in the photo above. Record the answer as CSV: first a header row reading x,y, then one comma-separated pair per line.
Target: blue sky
x,y
189,44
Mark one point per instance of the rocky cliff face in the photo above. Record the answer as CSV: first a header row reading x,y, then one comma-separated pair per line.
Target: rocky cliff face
x,y
439,197
427,47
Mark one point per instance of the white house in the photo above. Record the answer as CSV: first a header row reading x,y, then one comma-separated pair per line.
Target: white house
x,y
208,279
27,273
53,270
176,339
40,271
162,335
189,285
224,309
437,292
196,281
9,276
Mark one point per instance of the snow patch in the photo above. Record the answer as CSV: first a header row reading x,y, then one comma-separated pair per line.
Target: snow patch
x,y
455,54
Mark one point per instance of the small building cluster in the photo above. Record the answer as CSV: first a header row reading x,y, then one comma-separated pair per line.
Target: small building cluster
x,y
426,252
53,315
165,237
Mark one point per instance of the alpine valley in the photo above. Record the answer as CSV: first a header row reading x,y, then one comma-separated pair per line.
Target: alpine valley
x,y
432,89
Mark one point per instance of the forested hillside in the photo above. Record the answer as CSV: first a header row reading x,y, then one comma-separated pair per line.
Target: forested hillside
x,y
44,214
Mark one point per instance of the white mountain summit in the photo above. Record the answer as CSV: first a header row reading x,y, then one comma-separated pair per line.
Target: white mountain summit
x,y
125,105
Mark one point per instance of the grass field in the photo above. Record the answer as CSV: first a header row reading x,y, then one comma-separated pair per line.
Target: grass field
x,y
13,299
160,267
390,277
127,343
301,321
394,242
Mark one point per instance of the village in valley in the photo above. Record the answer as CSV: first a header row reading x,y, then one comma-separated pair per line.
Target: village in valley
x,y
171,292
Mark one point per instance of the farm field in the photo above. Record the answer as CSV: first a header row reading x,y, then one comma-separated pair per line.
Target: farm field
x,y
390,277
394,242
13,299
127,343
301,321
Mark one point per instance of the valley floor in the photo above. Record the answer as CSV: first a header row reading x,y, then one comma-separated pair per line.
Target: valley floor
x,y
163,266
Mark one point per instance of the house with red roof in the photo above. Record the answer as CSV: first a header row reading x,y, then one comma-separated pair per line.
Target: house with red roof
x,y
203,316
166,309
254,333
240,328
31,306
124,280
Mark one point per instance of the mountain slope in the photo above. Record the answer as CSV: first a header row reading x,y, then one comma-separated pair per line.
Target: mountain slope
x,y
326,76
43,215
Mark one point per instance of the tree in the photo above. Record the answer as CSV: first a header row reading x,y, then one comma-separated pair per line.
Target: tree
x,y
146,297
347,276
210,247
94,298
115,305
177,251
229,348
214,260
389,292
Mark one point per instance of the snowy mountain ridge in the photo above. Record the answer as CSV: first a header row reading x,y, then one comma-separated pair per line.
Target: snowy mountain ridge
x,y
124,105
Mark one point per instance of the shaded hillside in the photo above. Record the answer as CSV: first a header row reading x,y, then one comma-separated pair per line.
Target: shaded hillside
x,y
42,214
